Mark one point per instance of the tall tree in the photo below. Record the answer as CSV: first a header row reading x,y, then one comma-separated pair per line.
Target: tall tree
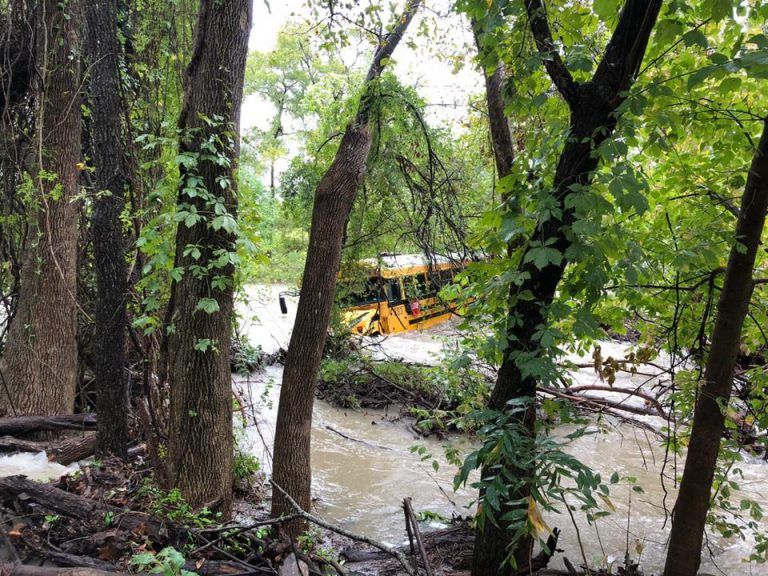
x,y
693,500
200,443
495,82
334,198
107,228
593,107
40,359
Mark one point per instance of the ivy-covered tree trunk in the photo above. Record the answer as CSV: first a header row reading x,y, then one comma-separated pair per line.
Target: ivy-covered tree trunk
x,y
200,440
107,228
334,198
690,512
593,115
39,365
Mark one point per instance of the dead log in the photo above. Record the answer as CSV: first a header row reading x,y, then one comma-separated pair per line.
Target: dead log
x,y
19,425
73,450
75,506
65,453
11,444
11,569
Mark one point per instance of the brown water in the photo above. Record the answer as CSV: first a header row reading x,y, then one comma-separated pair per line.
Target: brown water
x,y
360,483
363,467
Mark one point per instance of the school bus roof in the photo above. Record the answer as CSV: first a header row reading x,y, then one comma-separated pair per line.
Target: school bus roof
x,y
394,265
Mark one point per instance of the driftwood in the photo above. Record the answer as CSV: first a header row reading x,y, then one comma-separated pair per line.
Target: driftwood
x,y
75,506
26,424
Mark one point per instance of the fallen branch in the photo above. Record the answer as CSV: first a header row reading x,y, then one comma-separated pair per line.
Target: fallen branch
x,y
82,508
621,390
410,518
12,444
597,406
16,569
73,450
328,526
27,424
350,438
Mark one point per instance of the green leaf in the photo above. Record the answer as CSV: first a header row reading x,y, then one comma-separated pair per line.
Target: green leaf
x,y
695,38
721,9
207,305
543,256
605,9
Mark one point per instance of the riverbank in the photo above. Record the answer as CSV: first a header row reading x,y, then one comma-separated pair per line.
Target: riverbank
x,y
363,464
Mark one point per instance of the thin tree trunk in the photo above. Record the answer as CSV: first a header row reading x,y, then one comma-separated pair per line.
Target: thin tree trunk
x,y
40,360
200,440
334,198
693,500
495,545
108,242
593,108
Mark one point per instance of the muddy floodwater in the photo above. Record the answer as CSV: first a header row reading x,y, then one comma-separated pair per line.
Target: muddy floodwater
x,y
363,466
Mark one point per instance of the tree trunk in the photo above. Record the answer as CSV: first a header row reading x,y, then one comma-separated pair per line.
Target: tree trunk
x,y
40,360
593,108
495,544
693,500
334,198
200,440
108,242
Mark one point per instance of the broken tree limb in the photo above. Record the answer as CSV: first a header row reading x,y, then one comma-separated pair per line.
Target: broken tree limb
x,y
651,400
75,506
12,444
66,452
15,569
73,450
26,424
601,402
399,556
601,408
414,523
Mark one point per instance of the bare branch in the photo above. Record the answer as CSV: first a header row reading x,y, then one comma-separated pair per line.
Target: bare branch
x,y
328,526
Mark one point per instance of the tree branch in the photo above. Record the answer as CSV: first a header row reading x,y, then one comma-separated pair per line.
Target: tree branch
x,y
626,49
553,62
391,40
328,526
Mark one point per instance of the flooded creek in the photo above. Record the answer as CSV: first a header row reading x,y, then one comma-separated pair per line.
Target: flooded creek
x,y
363,467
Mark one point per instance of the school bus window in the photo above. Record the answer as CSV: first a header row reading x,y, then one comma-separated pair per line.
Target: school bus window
x,y
360,293
416,286
394,292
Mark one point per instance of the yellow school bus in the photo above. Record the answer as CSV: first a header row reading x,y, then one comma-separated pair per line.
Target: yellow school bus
x,y
397,293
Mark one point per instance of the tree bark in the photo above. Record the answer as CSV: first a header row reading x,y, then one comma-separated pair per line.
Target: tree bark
x,y
690,513
593,115
108,242
334,198
40,361
200,440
